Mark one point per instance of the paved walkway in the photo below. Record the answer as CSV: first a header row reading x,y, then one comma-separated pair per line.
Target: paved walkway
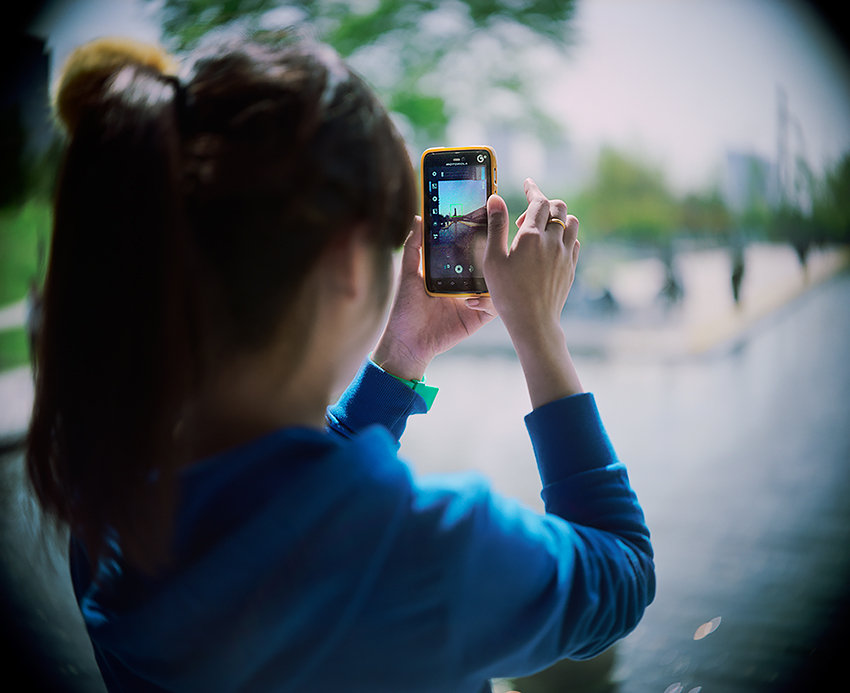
x,y
705,319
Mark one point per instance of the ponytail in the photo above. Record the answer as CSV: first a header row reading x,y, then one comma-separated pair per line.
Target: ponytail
x,y
115,354
187,215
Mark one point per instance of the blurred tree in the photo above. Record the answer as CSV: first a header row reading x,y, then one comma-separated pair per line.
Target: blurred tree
x,y
790,225
831,204
429,60
756,217
629,199
706,214
828,218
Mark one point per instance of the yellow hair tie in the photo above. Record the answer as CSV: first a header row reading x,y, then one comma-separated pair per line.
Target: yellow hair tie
x,y
87,68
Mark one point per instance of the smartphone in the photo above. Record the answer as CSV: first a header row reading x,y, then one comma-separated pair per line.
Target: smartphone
x,y
456,183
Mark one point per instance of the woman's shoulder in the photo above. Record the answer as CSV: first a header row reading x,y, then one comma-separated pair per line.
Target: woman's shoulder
x,y
290,471
287,452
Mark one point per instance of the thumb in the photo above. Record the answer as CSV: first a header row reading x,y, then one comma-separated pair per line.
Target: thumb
x,y
497,228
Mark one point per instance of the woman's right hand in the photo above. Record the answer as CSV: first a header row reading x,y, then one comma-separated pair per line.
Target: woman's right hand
x,y
529,284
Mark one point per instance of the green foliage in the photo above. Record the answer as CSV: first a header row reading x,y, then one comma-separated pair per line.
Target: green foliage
x,y
434,60
629,199
187,21
24,234
427,114
14,348
350,25
706,213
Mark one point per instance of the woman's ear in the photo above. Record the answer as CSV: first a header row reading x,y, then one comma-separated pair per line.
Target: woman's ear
x,y
348,263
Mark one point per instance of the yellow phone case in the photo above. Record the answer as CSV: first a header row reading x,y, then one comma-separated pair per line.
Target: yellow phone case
x,y
493,189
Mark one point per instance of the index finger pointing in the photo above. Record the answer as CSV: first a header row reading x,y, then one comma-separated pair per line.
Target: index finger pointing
x,y
537,213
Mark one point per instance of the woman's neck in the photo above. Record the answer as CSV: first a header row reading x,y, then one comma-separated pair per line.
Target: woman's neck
x,y
254,396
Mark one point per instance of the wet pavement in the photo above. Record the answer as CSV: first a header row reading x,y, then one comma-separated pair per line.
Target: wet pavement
x,y
739,451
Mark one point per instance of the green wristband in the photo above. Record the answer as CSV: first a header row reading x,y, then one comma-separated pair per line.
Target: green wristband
x,y
427,392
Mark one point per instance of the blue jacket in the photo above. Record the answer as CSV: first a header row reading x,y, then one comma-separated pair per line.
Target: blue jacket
x,y
314,561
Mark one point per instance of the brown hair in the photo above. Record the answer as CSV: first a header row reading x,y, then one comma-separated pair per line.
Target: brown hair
x,y
187,213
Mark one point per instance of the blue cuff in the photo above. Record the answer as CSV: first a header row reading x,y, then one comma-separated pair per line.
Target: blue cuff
x,y
374,397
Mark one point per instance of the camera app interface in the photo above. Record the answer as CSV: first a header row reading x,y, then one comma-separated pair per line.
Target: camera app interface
x,y
455,186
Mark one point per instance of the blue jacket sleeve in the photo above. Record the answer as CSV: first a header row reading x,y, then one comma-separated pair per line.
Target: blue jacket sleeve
x,y
585,484
527,589
374,398
583,481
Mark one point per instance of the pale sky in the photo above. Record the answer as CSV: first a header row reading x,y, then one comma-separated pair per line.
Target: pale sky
x,y
678,81
683,80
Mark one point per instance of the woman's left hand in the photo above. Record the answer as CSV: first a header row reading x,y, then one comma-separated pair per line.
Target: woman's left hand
x,y
421,326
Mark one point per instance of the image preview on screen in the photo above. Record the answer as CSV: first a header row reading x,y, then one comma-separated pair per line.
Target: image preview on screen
x,y
457,225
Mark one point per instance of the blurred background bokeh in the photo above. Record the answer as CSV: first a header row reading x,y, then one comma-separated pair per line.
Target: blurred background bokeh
x,y
705,147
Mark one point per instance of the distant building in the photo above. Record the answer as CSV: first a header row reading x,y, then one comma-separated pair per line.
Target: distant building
x,y
750,181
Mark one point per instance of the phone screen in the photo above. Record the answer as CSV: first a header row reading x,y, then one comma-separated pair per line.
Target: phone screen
x,y
455,186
